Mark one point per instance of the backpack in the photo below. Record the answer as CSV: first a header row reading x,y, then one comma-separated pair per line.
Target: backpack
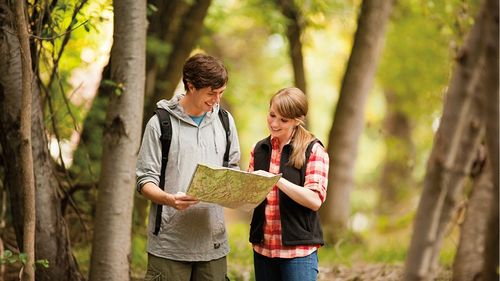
x,y
166,139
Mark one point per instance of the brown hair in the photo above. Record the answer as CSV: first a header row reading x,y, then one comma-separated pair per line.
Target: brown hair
x,y
291,103
204,71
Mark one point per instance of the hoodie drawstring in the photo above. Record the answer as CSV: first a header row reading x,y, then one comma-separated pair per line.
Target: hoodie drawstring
x,y
215,138
178,145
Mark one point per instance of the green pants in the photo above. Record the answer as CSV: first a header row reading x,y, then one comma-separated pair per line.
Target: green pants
x,y
161,269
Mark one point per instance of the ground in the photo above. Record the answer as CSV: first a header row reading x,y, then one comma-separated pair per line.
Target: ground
x,y
370,272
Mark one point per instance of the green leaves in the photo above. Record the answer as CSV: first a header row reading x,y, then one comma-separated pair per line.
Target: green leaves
x,y
117,88
9,258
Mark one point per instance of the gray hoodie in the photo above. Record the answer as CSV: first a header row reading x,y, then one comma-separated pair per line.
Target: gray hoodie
x,y
197,233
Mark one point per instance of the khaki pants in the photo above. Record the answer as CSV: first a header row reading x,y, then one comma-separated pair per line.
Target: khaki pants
x,y
161,269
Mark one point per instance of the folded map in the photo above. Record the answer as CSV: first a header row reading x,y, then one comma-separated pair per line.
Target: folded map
x,y
230,187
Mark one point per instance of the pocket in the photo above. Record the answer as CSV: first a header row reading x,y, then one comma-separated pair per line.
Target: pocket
x,y
219,228
153,275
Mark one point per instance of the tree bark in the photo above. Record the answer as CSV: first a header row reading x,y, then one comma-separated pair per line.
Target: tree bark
x,y
294,30
112,228
490,105
51,236
28,178
164,26
468,261
455,144
349,114
183,44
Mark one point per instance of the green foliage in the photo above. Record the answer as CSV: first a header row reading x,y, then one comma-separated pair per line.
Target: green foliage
x,y
86,166
240,258
116,87
82,255
139,255
158,49
9,258
64,64
151,9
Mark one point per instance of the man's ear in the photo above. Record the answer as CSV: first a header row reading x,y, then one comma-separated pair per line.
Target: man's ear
x,y
191,88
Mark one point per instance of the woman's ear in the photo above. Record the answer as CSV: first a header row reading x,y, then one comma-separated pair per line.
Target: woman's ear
x,y
297,122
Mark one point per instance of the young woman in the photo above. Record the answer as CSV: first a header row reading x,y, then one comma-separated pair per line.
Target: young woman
x,y
285,230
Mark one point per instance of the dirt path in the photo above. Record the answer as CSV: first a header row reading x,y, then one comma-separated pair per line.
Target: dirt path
x,y
370,272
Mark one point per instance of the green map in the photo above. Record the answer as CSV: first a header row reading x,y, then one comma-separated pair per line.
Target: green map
x,y
230,187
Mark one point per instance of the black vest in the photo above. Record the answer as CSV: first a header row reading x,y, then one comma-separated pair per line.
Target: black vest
x,y
299,225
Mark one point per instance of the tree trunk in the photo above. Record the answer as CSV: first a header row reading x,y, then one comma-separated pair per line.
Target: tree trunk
x,y
490,105
349,114
455,144
294,34
28,177
396,173
52,241
164,26
468,261
183,44
112,228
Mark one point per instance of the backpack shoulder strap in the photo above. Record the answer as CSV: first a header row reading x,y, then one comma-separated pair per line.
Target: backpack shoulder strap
x,y
224,119
166,139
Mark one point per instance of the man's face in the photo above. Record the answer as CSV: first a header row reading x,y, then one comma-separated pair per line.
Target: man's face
x,y
206,98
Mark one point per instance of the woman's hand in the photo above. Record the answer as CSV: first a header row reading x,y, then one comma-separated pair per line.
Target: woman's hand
x,y
263,173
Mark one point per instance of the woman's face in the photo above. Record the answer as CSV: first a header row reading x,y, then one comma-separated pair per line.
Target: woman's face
x,y
279,126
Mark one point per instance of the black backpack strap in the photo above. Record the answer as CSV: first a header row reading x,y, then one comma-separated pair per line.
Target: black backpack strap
x,y
166,139
224,119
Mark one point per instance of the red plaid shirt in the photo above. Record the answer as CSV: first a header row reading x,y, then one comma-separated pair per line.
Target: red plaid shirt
x,y
316,179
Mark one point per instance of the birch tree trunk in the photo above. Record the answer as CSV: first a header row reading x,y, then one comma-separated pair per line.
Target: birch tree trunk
x,y
456,141
349,114
112,228
52,242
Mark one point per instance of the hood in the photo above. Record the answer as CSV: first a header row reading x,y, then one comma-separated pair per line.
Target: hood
x,y
173,106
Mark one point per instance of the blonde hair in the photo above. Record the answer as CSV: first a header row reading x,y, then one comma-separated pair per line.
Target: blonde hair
x,y
291,103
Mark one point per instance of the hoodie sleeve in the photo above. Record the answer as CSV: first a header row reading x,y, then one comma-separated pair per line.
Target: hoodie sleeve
x,y
149,160
234,151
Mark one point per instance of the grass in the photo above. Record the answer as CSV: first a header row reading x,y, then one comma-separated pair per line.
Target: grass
x,y
385,241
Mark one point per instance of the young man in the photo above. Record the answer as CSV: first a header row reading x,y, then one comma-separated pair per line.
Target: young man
x,y
190,242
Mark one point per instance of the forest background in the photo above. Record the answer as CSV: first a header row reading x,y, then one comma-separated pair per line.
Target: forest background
x,y
404,94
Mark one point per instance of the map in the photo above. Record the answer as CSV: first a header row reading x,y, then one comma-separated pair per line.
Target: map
x,y
230,187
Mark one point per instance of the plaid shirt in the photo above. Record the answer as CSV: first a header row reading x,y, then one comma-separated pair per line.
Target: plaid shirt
x,y
316,179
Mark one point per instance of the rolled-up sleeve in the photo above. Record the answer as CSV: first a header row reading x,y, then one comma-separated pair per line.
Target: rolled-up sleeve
x,y
317,171
149,160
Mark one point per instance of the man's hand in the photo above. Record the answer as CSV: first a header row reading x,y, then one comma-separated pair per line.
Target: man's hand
x,y
181,201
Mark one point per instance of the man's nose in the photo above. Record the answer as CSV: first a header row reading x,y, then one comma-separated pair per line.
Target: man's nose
x,y
218,97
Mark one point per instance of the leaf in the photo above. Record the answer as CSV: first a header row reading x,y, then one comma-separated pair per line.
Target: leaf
x,y
7,254
43,262
119,89
23,257
151,9
108,83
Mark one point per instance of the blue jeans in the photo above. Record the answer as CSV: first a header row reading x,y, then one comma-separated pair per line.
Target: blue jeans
x,y
296,269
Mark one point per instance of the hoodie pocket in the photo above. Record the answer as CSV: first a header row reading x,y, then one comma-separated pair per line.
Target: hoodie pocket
x,y
219,229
